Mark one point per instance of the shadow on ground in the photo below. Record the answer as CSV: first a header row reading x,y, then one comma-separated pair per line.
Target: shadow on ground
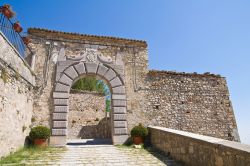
x,y
77,142
165,158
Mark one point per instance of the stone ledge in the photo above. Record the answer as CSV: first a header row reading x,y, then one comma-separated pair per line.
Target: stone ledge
x,y
10,56
208,139
194,149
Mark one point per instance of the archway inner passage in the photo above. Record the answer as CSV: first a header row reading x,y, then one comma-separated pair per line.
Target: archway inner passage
x,y
89,112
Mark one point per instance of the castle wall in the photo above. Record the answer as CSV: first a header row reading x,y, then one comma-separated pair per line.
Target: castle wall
x,y
191,102
196,103
16,98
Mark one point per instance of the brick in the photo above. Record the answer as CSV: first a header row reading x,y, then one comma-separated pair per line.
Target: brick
x,y
80,68
121,131
60,95
59,116
61,109
119,110
65,80
110,75
61,102
115,82
59,131
119,97
62,88
102,70
91,67
120,117
59,124
118,90
71,72
120,124
119,103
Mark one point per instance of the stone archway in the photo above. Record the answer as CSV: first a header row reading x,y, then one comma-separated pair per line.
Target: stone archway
x,y
70,71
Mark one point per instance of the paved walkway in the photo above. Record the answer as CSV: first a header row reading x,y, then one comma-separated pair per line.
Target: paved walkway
x,y
95,155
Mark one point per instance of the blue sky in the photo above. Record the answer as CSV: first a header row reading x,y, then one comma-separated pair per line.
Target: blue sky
x,y
183,35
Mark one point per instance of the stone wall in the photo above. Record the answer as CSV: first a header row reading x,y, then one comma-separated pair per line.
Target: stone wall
x,y
87,116
16,98
196,150
196,103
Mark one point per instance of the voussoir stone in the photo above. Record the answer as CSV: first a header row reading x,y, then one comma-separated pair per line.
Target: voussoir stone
x,y
110,74
62,88
80,68
66,80
102,70
116,82
91,67
118,90
71,72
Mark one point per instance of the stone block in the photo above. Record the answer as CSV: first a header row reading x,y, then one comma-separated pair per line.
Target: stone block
x,y
120,117
65,63
102,70
91,67
60,95
118,90
115,82
65,80
71,72
57,141
110,75
59,132
61,109
59,124
59,116
61,102
62,88
119,139
121,131
80,68
119,110
120,124
118,103
119,97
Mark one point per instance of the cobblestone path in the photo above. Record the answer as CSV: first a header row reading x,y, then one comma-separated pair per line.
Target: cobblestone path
x,y
98,155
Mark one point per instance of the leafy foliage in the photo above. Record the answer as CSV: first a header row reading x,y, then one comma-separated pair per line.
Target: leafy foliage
x,y
89,84
39,132
108,105
139,131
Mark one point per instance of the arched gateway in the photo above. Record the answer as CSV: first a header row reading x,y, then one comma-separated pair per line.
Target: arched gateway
x,y
69,71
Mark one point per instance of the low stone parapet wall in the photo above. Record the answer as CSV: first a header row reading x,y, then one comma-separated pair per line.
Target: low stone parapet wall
x,y
197,150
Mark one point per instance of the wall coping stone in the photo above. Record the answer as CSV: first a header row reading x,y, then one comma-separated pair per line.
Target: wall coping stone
x,y
208,139
17,63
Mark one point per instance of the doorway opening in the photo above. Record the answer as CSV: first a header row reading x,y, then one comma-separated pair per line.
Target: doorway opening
x,y
89,119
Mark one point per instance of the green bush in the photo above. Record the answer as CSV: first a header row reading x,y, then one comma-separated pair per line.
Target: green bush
x,y
39,132
139,131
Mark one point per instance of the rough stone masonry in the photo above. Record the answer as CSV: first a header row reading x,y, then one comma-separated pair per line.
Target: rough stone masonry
x,y
197,103
40,95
